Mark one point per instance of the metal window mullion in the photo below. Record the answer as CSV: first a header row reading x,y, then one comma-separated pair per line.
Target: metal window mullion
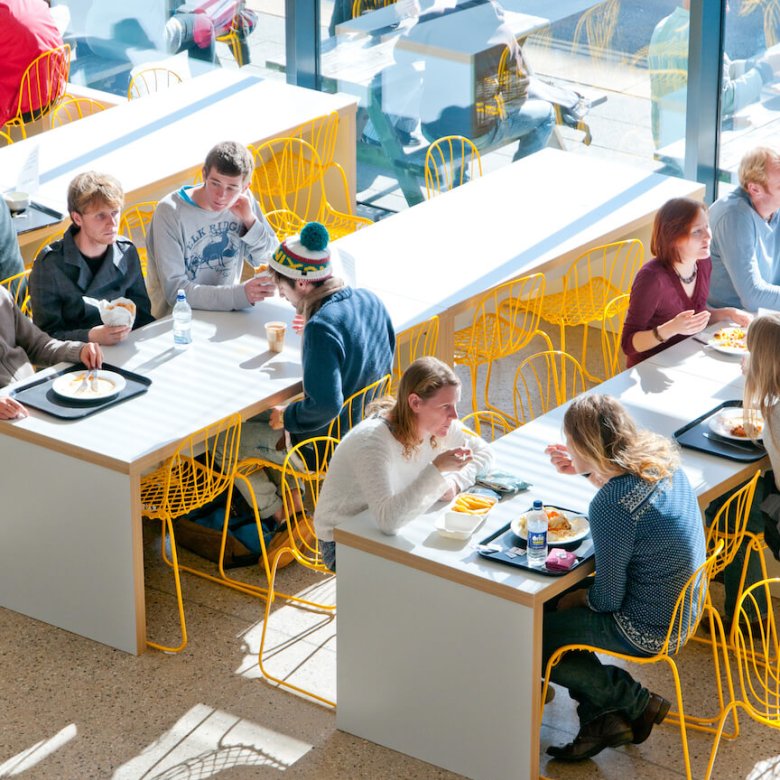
x,y
302,42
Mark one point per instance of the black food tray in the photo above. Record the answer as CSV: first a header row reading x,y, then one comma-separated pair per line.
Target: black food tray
x,y
511,550
39,394
692,436
36,216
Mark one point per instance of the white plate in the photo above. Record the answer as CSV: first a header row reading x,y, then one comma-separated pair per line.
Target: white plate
x,y
442,530
579,523
109,384
726,350
722,423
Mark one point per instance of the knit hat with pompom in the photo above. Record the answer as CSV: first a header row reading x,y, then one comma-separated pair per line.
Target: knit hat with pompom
x,y
304,256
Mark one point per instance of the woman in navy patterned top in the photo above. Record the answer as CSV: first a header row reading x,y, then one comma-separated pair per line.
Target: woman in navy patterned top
x,y
648,539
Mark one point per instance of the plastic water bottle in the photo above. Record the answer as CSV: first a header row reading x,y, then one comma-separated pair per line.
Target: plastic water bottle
x,y
182,321
536,527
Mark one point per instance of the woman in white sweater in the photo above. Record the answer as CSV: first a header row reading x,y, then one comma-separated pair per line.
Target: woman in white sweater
x,y
409,454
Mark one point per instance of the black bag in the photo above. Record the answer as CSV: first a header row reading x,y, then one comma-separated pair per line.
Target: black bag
x,y
200,531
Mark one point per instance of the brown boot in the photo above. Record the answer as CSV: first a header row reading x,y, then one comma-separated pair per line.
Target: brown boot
x,y
609,730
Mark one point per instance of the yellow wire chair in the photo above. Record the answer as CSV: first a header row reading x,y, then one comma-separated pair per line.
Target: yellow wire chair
x,y
5,139
17,286
694,598
412,343
449,162
232,38
353,410
190,478
134,224
360,7
591,282
44,82
505,320
71,109
757,656
488,425
543,381
289,180
55,235
611,333
302,541
596,28
151,80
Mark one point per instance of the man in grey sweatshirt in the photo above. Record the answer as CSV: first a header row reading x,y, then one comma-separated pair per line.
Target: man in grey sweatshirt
x,y
200,235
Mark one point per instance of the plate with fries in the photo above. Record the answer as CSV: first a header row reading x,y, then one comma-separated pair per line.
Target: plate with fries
x,y
730,341
565,527
465,515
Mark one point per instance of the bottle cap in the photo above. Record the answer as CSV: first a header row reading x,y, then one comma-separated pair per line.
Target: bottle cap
x,y
537,504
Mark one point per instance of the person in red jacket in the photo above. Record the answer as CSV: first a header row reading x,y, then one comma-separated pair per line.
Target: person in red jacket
x,y
27,29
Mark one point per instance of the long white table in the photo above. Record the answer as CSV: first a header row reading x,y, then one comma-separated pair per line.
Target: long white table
x,y
537,214
440,650
157,143
70,540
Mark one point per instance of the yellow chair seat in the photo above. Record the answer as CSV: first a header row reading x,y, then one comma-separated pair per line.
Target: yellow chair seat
x,y
580,306
486,333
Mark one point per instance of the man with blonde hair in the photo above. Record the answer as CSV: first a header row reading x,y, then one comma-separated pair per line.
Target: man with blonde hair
x,y
746,236
90,263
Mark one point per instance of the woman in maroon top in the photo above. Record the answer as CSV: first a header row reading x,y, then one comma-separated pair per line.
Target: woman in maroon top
x,y
669,295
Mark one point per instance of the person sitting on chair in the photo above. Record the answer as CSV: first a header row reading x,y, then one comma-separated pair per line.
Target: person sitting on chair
x,y
22,344
408,454
200,236
91,261
648,539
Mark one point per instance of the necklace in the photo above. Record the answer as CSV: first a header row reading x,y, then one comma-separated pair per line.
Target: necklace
x,y
688,279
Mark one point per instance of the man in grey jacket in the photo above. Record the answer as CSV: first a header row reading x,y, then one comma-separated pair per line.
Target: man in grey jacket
x,y
22,342
200,235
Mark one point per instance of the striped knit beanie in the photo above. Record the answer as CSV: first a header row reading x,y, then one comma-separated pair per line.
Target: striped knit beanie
x,y
304,256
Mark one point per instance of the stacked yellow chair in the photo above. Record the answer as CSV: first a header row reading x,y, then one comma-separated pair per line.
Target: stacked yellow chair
x,y
694,597
505,320
544,381
289,184
46,76
449,162
301,542
594,279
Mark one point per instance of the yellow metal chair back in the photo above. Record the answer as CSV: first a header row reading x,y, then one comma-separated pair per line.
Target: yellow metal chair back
x,y
44,83
232,39
449,162
302,542
5,139
505,320
71,109
135,226
289,177
151,80
591,282
694,600
757,656
17,286
360,7
596,28
353,410
418,341
200,470
543,381
55,235
611,333
488,425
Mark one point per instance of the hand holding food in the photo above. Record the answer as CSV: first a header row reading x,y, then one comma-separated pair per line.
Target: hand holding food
x,y
453,460
108,335
560,458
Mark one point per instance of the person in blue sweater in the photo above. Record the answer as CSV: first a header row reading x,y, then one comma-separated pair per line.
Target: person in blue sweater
x,y
648,539
348,343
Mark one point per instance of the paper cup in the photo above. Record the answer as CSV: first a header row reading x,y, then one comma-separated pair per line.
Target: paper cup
x,y
274,332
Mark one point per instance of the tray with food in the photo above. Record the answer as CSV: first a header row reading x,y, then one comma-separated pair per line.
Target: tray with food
x,y
568,540
730,341
76,392
465,515
725,431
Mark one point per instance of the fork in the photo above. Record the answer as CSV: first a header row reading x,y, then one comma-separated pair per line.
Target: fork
x,y
93,382
84,383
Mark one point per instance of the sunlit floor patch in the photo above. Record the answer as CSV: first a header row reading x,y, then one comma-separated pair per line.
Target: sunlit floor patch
x,y
206,742
23,761
764,770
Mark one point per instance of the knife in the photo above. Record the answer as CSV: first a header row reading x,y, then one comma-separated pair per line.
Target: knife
x,y
738,446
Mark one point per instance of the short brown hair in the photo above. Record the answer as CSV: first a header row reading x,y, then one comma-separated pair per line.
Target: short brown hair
x,y
230,158
753,166
91,187
672,222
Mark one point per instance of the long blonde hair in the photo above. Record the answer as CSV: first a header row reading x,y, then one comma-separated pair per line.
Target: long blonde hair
x,y
600,429
424,377
762,381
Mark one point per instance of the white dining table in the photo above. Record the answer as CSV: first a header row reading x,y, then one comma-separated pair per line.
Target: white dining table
x,y
156,143
439,649
535,215
70,542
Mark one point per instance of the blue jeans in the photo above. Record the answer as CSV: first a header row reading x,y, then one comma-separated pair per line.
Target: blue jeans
x,y
532,125
328,552
597,688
